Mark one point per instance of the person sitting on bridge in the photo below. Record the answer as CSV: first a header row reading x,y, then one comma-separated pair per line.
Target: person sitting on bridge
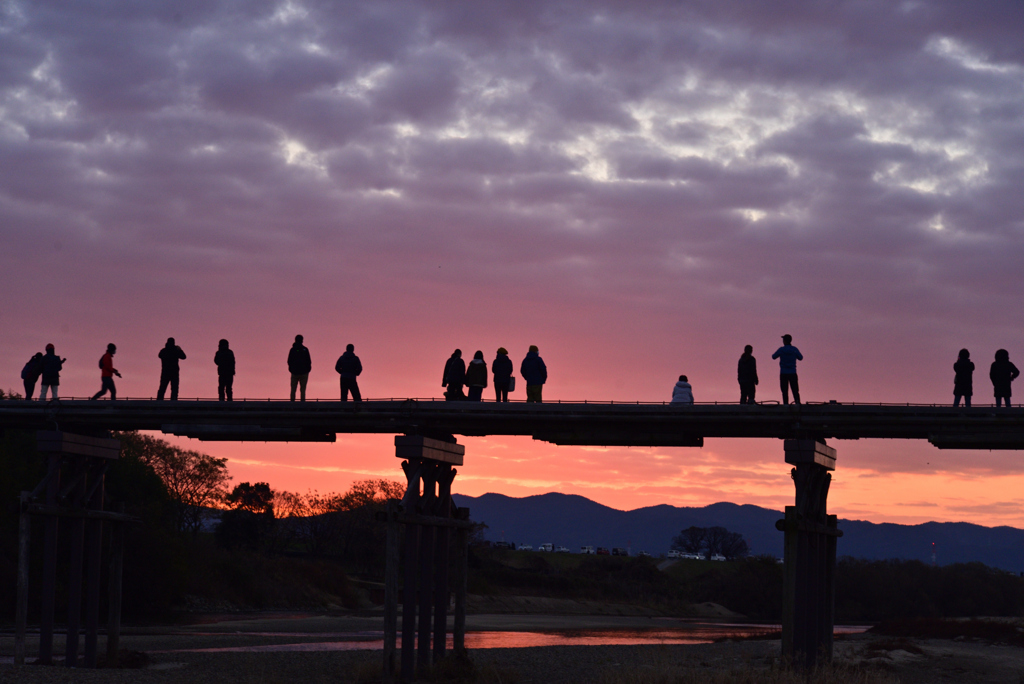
x,y
534,373
963,380
52,365
1002,373
348,366
476,376
788,355
107,373
746,373
225,361
454,377
682,393
502,369
299,365
169,357
30,374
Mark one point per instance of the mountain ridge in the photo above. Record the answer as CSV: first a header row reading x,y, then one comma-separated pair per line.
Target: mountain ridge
x,y
573,520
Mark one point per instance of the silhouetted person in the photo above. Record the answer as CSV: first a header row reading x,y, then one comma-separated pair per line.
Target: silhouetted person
x,y
299,365
682,393
225,360
349,367
788,355
476,376
1002,373
170,355
501,367
746,373
52,365
30,374
107,373
963,380
454,376
534,373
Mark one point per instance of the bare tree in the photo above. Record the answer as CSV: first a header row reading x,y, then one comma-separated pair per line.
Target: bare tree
x,y
691,540
734,546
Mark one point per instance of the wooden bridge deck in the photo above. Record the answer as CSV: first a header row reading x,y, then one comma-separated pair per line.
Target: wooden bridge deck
x,y
618,424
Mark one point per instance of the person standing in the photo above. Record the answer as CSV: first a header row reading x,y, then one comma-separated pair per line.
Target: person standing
x,y
501,367
51,367
170,355
476,376
534,373
682,393
1002,373
30,374
349,367
454,377
963,379
107,373
299,365
788,355
225,361
746,373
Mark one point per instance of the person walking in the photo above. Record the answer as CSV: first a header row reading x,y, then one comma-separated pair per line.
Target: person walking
x,y
225,361
51,366
299,365
349,367
476,376
788,355
682,393
170,355
501,367
454,377
30,374
746,373
107,373
963,379
1002,373
534,373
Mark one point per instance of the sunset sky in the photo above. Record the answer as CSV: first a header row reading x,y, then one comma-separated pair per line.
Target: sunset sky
x,y
639,188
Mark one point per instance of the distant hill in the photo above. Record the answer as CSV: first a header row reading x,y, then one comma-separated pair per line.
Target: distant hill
x,y
574,521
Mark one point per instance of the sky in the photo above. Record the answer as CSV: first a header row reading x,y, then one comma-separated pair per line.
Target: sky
x,y
638,188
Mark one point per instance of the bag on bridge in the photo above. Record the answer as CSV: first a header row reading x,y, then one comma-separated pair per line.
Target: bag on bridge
x,y
511,383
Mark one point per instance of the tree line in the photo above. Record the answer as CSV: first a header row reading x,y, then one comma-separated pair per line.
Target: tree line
x,y
711,541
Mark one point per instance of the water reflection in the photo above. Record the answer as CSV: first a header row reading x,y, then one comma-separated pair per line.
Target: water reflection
x,y
370,641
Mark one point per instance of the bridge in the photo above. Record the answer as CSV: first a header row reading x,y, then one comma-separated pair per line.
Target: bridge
x,y
74,432
577,423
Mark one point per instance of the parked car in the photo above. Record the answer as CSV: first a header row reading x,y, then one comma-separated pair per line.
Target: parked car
x,y
718,557
502,545
563,549
587,550
674,554
691,556
546,547
644,554
601,551
617,551
525,547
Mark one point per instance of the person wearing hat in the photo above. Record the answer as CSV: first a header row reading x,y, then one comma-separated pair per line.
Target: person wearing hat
x,y
535,373
788,355
501,367
107,373
52,365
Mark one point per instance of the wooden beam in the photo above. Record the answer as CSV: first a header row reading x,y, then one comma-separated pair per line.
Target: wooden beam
x,y
809,451
79,445
415,446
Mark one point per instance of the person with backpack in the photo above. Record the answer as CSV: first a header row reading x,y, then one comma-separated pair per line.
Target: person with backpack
x,y
225,361
1002,373
169,369
30,374
107,373
349,367
476,376
51,367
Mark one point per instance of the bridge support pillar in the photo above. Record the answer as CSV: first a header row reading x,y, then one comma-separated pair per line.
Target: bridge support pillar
x,y
428,515
810,556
